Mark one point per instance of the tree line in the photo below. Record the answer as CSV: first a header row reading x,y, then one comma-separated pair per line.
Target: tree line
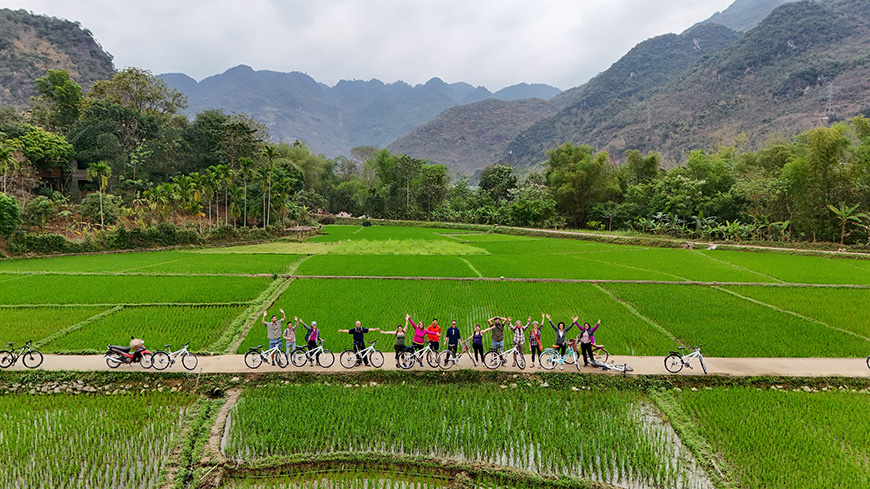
x,y
147,164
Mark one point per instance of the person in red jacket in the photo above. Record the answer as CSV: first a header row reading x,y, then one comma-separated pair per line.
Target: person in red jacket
x,y
435,335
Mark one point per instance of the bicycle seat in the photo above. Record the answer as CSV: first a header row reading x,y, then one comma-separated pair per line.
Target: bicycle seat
x,y
681,348
186,344
167,346
10,344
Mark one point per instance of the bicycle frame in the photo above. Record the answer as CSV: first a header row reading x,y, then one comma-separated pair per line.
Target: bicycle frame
x,y
175,354
562,359
675,361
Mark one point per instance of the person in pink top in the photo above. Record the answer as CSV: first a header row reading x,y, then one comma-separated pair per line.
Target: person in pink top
x,y
586,339
419,333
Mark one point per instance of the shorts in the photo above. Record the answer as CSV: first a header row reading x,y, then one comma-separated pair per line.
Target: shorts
x,y
274,343
498,345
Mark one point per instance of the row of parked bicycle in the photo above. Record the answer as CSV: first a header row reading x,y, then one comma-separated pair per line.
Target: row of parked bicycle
x,y
350,358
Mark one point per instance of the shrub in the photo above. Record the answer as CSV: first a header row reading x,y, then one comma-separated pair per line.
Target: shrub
x,y
90,208
10,215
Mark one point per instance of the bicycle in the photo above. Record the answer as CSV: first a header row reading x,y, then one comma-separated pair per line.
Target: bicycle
x,y
29,357
351,358
256,356
495,359
301,356
163,358
675,361
447,358
599,353
411,355
550,357
868,362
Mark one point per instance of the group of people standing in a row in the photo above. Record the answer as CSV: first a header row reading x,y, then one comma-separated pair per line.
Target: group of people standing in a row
x,y
432,334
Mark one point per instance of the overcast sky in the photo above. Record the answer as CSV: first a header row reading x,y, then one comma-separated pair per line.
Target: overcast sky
x,y
495,43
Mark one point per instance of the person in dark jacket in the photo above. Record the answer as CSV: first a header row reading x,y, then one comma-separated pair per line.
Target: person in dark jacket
x,y
453,337
359,341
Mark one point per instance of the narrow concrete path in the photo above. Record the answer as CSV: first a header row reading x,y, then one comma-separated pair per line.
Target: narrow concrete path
x,y
735,367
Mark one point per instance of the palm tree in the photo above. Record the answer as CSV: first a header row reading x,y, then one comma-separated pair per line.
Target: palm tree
x,y
7,162
845,215
270,155
100,171
233,210
183,191
246,171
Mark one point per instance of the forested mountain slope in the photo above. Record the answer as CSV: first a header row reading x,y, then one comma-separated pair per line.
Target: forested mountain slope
x,y
639,74
31,44
806,64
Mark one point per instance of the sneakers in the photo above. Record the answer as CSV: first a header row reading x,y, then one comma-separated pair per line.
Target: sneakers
x,y
561,367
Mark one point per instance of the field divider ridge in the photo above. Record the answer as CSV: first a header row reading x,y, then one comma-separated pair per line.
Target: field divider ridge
x,y
77,326
236,332
126,304
471,266
637,313
717,469
792,313
578,281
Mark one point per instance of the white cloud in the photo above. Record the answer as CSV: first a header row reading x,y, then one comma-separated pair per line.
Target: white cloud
x,y
495,43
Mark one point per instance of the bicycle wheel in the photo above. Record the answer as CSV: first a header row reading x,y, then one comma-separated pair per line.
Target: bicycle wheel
x,y
327,358
113,360
432,358
549,359
376,359
253,359
703,365
347,359
571,357
406,360
32,359
298,357
281,359
521,361
160,360
868,362
6,358
673,363
189,361
446,359
492,359
600,355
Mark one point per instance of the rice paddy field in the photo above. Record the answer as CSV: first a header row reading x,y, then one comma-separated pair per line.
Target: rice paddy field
x,y
434,429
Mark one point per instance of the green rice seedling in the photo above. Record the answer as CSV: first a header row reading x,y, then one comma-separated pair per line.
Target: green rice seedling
x,y
404,247
158,326
840,308
274,247
563,266
481,237
386,266
595,435
206,261
337,304
334,233
20,325
68,441
788,440
112,289
729,326
799,269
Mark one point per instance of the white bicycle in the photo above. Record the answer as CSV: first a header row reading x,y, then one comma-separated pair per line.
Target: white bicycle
x,y
301,355
495,359
166,358
351,358
256,356
410,356
676,361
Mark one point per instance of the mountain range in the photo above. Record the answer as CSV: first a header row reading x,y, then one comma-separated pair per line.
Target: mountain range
x,y
332,120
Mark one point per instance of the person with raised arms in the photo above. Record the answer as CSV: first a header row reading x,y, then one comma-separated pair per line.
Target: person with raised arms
x,y
419,333
399,344
273,331
535,343
435,335
477,343
519,338
290,338
496,325
586,339
561,335
359,342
